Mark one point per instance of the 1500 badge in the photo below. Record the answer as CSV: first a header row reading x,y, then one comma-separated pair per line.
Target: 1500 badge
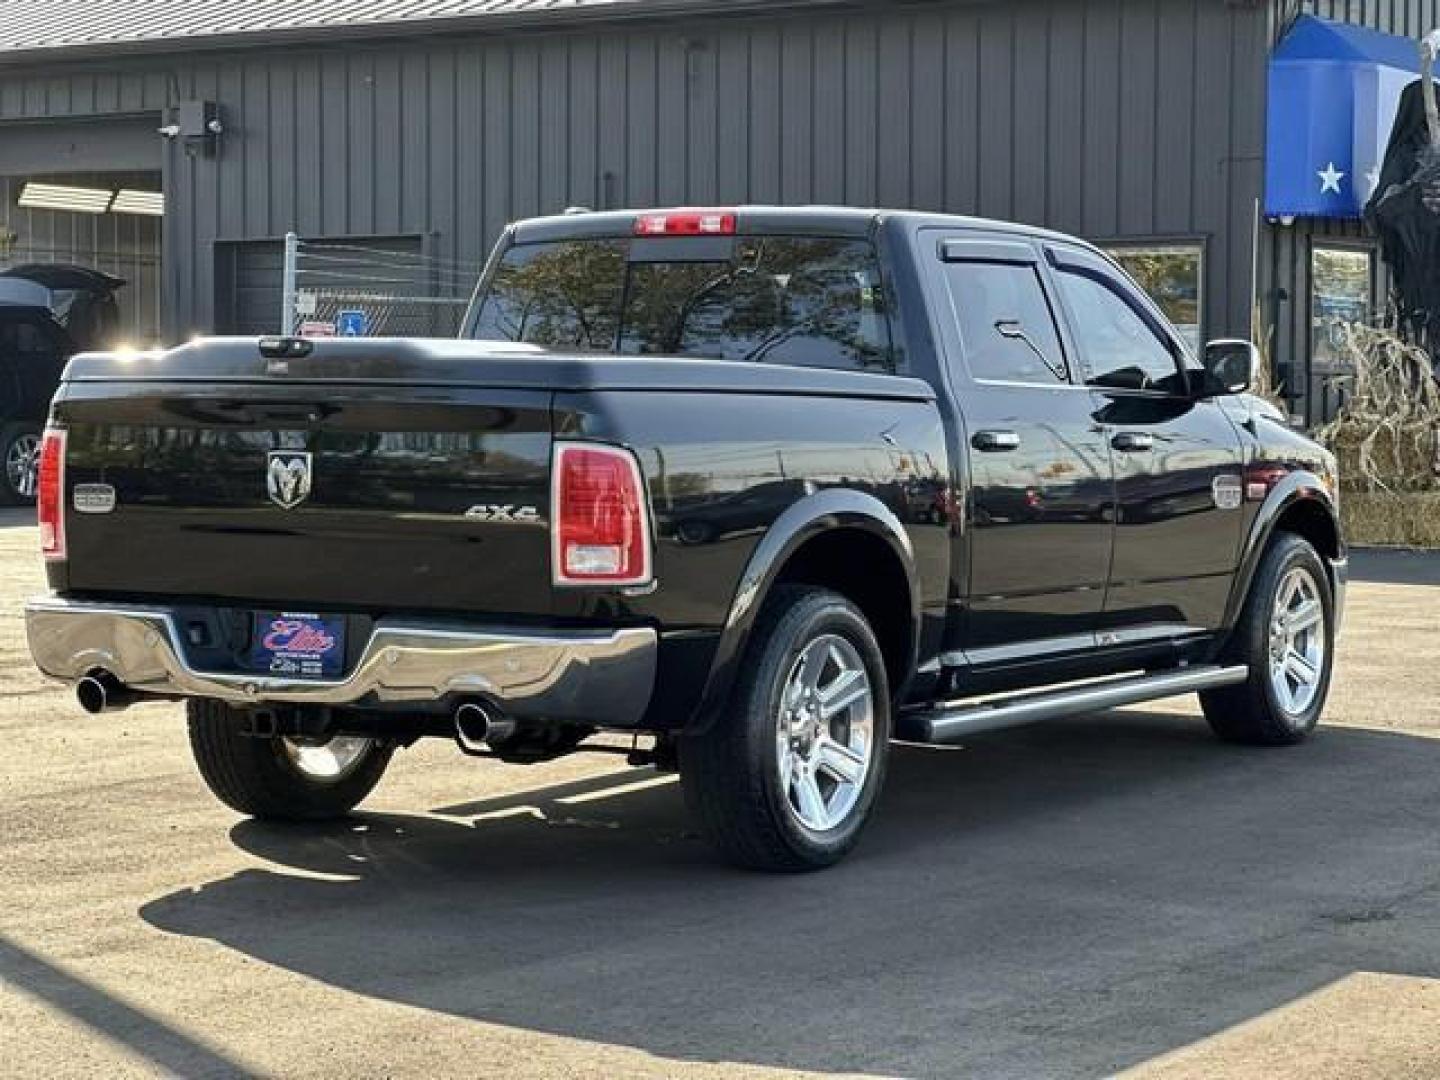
x,y
503,515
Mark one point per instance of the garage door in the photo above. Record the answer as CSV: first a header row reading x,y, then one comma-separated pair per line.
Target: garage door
x,y
36,148
248,287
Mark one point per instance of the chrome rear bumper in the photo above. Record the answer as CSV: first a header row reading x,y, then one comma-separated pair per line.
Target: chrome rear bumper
x,y
603,677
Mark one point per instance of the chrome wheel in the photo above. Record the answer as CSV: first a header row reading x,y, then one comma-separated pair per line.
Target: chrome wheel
x,y
1297,641
327,761
22,465
825,733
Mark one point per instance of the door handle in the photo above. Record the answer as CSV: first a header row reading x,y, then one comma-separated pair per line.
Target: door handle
x,y
1133,442
995,442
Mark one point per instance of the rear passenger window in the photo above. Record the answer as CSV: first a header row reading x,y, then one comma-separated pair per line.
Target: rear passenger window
x,y
1006,326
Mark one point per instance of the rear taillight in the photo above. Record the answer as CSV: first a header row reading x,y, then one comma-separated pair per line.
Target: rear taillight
x,y
50,494
686,223
600,517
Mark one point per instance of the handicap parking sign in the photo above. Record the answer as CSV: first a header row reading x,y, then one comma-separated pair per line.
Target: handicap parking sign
x,y
352,324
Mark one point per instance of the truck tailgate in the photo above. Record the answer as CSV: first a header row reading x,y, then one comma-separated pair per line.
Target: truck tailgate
x,y
329,493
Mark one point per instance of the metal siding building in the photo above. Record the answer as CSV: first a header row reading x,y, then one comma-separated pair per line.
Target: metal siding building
x,y
1119,120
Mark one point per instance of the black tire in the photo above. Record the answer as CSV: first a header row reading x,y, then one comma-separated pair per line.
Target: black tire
x,y
13,439
730,774
256,776
1252,712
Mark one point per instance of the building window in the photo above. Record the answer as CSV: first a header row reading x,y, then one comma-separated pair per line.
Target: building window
x,y
1342,290
1173,275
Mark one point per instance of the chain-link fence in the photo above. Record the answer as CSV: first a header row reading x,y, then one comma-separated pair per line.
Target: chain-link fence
x,y
374,288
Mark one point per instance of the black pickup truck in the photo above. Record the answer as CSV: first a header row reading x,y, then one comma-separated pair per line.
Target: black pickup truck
x,y
770,487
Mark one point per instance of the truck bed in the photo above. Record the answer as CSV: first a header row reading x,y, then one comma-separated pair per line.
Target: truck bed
x,y
429,464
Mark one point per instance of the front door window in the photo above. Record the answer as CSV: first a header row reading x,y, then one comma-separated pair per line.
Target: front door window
x,y
1119,349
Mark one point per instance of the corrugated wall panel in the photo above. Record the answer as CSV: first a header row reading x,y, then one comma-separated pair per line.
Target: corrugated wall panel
x,y
1065,117
672,90
926,117
782,117
995,91
1030,155
829,131
1244,173
732,86
961,107
1103,117
1101,176
862,119
1410,18
1174,177
1138,119
895,162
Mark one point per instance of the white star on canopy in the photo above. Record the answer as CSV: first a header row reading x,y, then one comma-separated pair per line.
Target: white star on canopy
x,y
1330,178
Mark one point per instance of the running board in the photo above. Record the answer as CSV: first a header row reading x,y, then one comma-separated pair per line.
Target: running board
x,y
948,723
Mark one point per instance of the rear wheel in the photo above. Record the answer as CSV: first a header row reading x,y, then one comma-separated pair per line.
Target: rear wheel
x,y
286,778
20,456
1286,637
788,779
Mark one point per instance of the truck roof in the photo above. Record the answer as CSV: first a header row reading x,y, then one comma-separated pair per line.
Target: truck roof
x,y
762,219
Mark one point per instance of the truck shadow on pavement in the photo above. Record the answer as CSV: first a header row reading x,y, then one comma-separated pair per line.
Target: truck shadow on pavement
x,y
1067,900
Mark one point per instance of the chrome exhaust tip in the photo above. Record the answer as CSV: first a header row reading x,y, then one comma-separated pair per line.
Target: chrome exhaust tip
x,y
102,692
472,725
478,725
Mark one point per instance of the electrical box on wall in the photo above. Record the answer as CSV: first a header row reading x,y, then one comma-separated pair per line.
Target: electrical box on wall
x,y
197,124
194,118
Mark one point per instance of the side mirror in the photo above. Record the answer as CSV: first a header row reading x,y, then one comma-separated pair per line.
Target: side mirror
x,y
1231,367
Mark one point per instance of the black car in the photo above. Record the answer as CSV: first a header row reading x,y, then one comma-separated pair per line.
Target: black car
x,y
770,487
47,314
33,352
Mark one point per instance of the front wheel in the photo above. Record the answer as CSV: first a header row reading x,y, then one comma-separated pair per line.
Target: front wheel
x,y
1286,635
283,778
787,780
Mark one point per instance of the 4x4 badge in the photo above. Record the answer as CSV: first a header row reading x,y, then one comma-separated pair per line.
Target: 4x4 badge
x,y
287,478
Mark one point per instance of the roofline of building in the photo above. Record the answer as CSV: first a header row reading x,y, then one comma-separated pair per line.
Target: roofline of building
x,y
621,12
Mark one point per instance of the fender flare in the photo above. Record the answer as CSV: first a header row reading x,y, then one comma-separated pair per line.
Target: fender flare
x,y
1297,487
824,511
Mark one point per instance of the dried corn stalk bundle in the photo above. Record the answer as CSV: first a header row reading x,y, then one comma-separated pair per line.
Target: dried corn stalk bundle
x,y
1387,435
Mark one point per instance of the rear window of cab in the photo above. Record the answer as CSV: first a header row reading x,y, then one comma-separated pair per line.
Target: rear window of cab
x,y
799,300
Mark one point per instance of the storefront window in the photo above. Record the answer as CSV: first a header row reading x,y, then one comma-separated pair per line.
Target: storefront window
x,y
1172,274
1341,291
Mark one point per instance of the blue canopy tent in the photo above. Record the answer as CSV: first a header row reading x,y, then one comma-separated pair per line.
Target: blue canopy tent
x,y
1333,92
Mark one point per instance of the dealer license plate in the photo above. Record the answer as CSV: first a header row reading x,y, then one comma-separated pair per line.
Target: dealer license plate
x,y
295,646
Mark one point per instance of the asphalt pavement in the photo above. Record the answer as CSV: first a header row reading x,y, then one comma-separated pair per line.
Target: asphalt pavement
x,y
1089,897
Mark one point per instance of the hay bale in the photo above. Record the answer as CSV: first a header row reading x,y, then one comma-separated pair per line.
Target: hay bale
x,y
1410,519
1387,436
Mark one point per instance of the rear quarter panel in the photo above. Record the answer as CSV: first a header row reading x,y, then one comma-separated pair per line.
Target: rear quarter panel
x,y
721,468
